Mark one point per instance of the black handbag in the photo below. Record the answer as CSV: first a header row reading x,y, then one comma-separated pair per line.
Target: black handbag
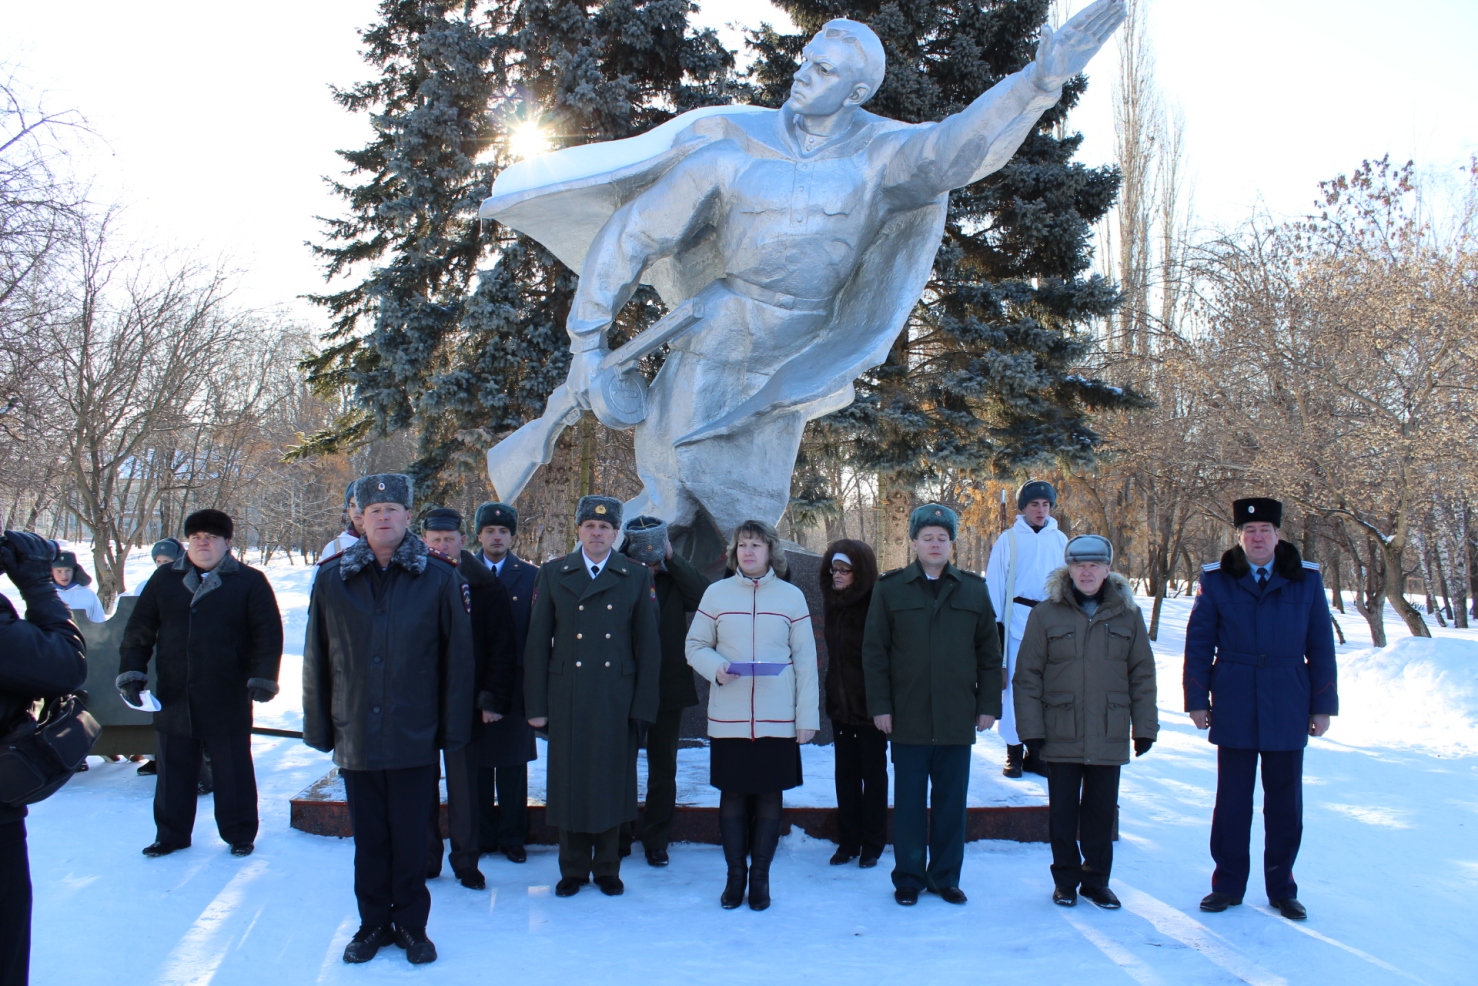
x,y
42,754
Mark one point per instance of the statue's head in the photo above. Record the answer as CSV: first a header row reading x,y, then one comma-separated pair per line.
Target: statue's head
x,y
843,65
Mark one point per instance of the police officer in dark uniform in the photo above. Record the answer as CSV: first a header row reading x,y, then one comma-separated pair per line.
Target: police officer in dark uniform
x,y
507,744
592,664
41,656
388,681
492,645
1260,674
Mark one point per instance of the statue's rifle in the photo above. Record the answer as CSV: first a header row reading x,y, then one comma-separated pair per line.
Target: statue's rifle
x,y
618,397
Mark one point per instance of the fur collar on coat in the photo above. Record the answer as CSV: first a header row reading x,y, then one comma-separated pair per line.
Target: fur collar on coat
x,y
410,554
1060,589
1287,562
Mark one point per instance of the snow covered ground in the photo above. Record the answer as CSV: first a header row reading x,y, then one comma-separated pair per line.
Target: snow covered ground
x,y
1389,870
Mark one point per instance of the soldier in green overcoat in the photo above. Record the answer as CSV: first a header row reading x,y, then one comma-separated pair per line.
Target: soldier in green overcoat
x,y
592,667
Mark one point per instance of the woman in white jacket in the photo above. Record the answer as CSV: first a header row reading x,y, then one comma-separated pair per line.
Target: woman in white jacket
x,y
752,639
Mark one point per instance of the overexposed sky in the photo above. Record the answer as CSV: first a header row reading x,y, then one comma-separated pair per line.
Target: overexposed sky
x,y
216,125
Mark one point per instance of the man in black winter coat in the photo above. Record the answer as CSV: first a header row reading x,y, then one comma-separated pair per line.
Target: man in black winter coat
x,y
492,647
388,676
213,626
40,657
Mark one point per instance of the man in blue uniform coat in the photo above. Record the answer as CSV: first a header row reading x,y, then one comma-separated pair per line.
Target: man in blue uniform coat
x,y
1260,674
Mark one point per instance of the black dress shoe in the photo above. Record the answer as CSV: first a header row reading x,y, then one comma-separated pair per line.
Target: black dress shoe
x,y
147,768
867,862
367,942
1290,908
1102,896
611,886
1064,898
657,857
473,880
418,948
156,849
243,848
1216,902
515,854
568,886
952,895
907,896
842,857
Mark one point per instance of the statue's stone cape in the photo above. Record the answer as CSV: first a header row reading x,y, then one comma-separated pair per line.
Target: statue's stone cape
x,y
563,199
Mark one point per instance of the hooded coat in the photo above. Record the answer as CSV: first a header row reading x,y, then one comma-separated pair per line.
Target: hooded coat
x,y
845,616
388,666
1086,684
212,637
1261,660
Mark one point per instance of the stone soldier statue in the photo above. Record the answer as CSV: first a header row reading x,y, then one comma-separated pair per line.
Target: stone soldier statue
x,y
790,245
1260,674
592,668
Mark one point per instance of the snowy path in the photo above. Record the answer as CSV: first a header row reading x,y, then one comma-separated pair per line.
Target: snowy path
x,y
1388,869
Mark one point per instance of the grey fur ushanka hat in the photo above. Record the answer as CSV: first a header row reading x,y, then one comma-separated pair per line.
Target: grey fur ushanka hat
x,y
385,487
646,540
606,508
932,515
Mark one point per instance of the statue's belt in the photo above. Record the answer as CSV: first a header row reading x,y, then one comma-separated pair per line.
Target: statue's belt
x,y
787,301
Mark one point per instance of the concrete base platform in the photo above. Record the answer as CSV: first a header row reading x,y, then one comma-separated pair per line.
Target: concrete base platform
x,y
321,810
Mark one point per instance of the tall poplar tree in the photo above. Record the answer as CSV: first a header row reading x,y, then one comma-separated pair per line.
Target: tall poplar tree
x,y
982,382
449,325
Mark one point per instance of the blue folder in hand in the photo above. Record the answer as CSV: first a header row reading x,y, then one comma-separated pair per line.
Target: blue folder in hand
x,y
758,668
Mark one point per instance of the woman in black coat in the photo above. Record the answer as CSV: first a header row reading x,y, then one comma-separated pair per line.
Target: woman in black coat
x,y
849,570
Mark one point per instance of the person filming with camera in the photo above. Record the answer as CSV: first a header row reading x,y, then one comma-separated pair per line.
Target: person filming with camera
x,y
41,657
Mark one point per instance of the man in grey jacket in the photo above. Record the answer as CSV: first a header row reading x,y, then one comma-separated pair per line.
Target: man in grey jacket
x,y
387,683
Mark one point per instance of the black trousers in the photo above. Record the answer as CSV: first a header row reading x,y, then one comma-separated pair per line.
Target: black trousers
x,y
1282,814
930,785
463,774
15,905
387,810
661,803
862,789
503,794
1083,800
175,791
583,854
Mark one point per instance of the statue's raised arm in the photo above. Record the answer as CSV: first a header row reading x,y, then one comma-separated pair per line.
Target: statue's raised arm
x,y
981,138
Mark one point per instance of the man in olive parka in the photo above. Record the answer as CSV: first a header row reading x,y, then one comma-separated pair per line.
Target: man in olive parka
x,y
1084,685
592,666
932,661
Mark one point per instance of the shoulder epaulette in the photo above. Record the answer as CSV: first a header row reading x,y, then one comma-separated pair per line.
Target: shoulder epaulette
x,y
442,556
889,574
1311,564
1211,567
325,561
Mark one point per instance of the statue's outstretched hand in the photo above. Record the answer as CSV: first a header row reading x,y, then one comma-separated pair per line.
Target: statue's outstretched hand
x,y
583,368
1064,53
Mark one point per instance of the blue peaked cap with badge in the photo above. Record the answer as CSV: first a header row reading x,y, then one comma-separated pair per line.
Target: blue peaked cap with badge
x,y
385,487
443,519
932,515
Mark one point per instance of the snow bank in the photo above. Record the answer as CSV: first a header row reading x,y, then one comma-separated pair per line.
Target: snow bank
x,y
1418,693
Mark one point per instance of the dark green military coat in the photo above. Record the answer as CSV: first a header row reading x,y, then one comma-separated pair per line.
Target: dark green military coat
x,y
679,591
932,662
591,666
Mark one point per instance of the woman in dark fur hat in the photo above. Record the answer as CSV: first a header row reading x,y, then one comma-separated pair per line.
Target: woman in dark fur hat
x,y
849,570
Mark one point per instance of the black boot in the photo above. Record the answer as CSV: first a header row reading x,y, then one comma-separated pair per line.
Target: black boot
x,y
766,838
1013,761
735,833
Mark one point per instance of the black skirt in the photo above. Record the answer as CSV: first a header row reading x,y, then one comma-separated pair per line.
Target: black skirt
x,y
757,766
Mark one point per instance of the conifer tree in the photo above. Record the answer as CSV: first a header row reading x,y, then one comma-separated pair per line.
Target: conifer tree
x,y
457,327
982,382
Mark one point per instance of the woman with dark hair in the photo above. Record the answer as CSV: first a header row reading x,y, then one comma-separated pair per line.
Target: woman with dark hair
x,y
752,639
849,570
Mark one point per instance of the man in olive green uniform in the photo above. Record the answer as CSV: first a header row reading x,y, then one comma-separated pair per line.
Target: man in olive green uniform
x,y
932,661
680,589
591,674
